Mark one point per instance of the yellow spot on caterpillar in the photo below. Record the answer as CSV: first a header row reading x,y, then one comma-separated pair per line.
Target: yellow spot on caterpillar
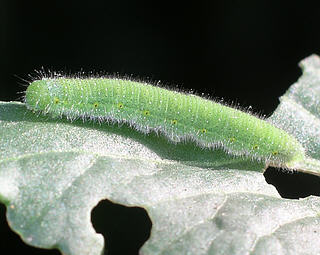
x,y
255,147
95,105
56,100
174,122
275,153
120,105
203,130
232,139
146,113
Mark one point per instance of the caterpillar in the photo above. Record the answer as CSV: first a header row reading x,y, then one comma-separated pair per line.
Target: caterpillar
x,y
179,116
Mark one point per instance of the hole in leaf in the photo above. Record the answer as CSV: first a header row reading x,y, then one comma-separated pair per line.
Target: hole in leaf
x,y
10,241
125,229
293,185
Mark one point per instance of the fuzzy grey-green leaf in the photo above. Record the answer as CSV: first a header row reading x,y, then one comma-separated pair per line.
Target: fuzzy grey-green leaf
x,y
299,113
50,188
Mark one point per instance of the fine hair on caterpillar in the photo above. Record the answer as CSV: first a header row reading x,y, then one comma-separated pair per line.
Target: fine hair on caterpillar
x,y
179,116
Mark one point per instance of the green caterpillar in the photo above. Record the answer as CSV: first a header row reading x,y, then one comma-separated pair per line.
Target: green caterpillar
x,y
178,116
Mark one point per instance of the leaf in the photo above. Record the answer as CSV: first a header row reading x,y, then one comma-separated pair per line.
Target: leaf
x,y
52,173
299,113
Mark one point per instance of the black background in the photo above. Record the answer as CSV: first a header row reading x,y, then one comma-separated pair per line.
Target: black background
x,y
246,52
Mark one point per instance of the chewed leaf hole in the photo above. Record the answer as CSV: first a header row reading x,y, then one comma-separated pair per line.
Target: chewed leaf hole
x,y
125,229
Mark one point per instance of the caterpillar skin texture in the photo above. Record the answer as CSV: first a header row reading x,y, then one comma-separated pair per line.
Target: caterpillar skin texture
x,y
177,115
